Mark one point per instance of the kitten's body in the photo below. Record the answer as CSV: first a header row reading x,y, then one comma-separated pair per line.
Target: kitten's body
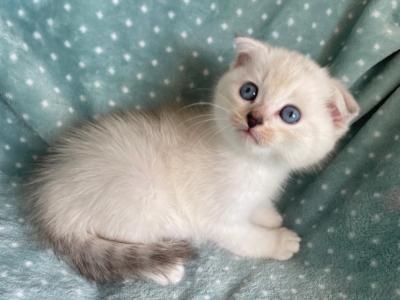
x,y
120,197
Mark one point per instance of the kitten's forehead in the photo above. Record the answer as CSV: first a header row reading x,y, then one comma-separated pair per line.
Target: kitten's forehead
x,y
286,73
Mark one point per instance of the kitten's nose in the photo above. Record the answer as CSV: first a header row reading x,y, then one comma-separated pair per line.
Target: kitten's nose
x,y
253,121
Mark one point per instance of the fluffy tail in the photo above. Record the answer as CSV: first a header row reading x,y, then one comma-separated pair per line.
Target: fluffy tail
x,y
101,260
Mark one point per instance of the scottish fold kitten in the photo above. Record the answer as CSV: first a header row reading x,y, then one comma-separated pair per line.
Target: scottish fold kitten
x,y
126,196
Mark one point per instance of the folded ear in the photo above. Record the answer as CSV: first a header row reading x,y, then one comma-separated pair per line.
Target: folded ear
x,y
343,107
246,49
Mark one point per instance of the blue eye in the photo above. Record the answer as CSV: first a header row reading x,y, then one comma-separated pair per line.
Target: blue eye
x,y
290,114
248,91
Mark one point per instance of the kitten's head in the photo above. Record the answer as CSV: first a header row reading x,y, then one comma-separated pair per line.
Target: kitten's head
x,y
273,100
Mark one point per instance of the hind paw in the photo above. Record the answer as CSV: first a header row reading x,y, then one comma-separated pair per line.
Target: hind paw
x,y
171,275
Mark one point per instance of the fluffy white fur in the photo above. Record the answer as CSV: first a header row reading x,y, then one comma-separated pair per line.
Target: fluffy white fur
x,y
183,175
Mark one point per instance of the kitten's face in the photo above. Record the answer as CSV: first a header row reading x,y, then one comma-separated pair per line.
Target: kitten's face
x,y
276,101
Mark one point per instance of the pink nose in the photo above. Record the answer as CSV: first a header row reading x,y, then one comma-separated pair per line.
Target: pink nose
x,y
253,121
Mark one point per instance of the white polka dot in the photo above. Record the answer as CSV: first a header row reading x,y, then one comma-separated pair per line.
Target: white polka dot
x,y
13,57
330,251
82,98
50,22
377,134
98,50
322,43
29,82
181,68
99,15
324,187
213,6
111,70
144,9
111,103
328,11
198,21
128,23
156,29
9,23
206,72
250,31
195,54
67,7
210,40
67,44
44,103
239,12
264,16
56,90
127,57
376,13
68,77
115,2
298,221
25,116
142,44
125,89
299,38
139,76
14,245
350,16
114,36
28,263
373,285
220,58
360,30
314,25
171,15
224,26
168,49
389,156
21,12
154,62
37,35
19,293
306,6
275,34
347,171
345,78
371,155
53,56
360,62
166,81
290,22
97,84
396,137
184,34
7,147
83,29
9,121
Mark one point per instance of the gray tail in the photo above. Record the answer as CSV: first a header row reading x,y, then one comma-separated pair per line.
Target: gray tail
x,y
102,260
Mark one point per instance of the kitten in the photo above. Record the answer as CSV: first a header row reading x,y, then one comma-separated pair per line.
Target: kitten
x,y
126,196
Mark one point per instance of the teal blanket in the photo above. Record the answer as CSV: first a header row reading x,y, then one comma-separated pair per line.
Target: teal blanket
x,y
62,61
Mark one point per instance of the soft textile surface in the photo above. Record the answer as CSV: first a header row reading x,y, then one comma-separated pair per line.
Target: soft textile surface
x,y
62,61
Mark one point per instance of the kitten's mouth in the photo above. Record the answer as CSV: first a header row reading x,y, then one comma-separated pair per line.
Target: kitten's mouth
x,y
248,134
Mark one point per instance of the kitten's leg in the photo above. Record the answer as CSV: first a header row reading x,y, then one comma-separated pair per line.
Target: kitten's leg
x,y
253,241
266,217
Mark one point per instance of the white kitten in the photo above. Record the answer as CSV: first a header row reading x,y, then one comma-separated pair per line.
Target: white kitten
x,y
126,195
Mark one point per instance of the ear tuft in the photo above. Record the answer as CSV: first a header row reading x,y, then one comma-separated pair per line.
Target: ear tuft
x,y
343,107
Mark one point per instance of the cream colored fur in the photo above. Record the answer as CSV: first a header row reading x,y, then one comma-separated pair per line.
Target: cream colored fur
x,y
184,174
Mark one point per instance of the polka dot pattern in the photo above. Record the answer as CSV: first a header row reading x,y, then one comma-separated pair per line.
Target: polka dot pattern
x,y
70,60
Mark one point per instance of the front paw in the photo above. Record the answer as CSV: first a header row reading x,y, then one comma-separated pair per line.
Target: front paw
x,y
267,218
287,244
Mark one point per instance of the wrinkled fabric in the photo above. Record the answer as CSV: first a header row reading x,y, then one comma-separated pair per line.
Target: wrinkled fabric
x,y
65,61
